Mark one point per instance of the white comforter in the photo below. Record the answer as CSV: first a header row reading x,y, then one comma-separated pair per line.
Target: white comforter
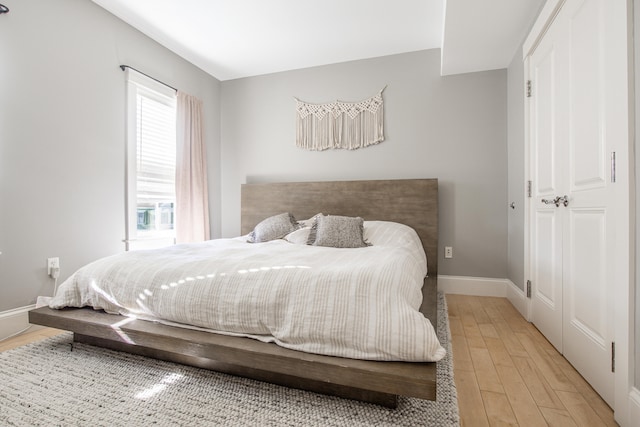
x,y
358,303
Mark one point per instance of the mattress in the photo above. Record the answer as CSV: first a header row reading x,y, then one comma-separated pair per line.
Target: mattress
x,y
360,303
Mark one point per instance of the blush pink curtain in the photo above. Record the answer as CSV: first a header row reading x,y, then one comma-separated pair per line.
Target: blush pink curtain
x,y
192,201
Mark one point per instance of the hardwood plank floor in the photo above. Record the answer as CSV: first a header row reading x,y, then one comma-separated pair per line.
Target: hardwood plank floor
x,y
32,335
506,372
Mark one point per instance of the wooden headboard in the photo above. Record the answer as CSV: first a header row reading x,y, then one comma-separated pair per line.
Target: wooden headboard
x,y
413,202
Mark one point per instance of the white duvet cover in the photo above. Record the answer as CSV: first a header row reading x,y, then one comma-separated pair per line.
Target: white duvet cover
x,y
358,303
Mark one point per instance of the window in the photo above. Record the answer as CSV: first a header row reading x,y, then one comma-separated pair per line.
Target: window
x,y
151,163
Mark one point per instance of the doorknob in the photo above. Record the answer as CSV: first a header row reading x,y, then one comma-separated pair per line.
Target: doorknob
x,y
555,201
564,200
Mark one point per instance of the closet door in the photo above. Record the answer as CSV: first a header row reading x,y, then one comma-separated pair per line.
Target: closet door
x,y
588,240
572,231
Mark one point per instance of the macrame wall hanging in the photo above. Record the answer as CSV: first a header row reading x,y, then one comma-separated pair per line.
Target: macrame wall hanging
x,y
338,124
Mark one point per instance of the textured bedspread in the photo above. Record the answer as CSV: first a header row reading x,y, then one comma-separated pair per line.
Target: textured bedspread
x,y
358,303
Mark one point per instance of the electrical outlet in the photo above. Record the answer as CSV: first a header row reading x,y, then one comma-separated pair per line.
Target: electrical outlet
x,y
52,263
448,252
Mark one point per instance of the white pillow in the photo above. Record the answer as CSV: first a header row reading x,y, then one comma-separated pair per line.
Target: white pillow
x,y
299,237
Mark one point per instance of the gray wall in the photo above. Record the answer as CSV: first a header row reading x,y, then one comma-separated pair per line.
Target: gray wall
x,y
453,128
515,159
62,111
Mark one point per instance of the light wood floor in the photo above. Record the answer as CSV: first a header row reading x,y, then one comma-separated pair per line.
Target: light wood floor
x,y
506,372
33,334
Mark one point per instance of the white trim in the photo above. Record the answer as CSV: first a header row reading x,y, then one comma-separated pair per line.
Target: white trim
x,y
620,130
486,287
477,286
543,22
527,199
518,299
14,321
634,404
146,83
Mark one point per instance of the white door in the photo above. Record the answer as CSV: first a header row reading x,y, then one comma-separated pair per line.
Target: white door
x,y
572,244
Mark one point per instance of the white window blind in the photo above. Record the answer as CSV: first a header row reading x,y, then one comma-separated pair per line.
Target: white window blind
x,y
151,162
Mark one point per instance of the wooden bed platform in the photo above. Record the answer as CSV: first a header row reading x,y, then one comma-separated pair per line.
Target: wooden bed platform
x,y
412,202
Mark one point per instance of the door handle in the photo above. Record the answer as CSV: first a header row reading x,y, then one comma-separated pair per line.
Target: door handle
x,y
555,201
564,200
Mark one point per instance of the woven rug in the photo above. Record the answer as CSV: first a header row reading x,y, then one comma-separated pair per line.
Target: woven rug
x,y
53,383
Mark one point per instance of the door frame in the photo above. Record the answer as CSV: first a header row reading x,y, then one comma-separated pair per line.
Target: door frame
x,y
624,211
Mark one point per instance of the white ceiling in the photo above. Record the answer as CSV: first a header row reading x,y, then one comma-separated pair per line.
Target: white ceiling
x,y
484,35
230,39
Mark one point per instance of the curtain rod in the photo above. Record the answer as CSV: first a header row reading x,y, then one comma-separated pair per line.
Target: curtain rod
x,y
122,67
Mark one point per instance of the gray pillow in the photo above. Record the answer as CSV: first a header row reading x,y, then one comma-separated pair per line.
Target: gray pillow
x,y
337,232
274,227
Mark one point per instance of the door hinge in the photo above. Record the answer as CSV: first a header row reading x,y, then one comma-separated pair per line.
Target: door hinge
x,y
613,357
613,166
528,88
528,288
529,189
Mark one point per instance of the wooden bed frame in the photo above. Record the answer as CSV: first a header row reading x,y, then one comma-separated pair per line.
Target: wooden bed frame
x,y
413,202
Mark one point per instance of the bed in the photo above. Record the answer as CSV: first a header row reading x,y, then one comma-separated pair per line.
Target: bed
x,y
410,202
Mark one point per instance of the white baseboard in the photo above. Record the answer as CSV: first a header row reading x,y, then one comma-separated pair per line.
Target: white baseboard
x,y
518,299
634,405
477,286
14,321
485,287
